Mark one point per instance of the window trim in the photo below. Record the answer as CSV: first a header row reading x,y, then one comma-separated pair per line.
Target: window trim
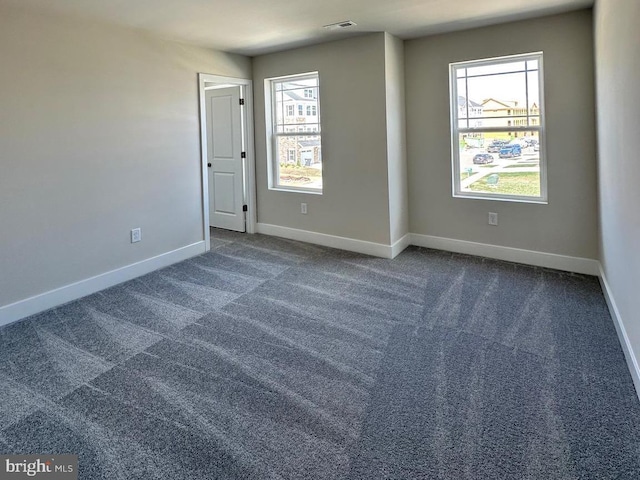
x,y
456,130
272,135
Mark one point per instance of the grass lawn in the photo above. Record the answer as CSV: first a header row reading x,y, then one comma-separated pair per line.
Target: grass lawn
x,y
298,176
464,175
525,183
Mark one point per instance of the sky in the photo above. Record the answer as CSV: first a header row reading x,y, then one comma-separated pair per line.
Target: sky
x,y
507,86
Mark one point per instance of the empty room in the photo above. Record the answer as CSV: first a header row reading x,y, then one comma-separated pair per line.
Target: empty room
x,y
319,240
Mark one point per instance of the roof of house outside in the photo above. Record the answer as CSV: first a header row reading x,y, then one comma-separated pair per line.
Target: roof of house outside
x,y
294,96
462,102
309,143
507,103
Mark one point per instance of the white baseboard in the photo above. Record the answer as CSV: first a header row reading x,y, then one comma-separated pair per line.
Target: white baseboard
x,y
627,348
343,243
400,245
38,303
529,257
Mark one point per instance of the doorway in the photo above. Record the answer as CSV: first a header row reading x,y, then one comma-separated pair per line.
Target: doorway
x,y
228,166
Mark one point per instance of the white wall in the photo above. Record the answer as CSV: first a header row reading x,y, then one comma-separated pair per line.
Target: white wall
x,y
568,224
355,202
99,131
618,107
396,138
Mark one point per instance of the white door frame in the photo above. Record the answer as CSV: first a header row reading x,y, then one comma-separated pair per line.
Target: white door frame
x,y
205,82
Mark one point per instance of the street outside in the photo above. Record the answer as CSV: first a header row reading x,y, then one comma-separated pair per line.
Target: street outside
x,y
527,164
471,175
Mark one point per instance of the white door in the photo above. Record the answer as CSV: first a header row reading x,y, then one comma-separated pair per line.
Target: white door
x,y
224,159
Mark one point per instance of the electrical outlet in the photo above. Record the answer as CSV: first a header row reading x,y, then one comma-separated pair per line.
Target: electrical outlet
x,y
493,218
136,235
303,208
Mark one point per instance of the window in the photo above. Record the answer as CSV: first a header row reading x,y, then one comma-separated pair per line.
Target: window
x,y
497,129
295,150
290,110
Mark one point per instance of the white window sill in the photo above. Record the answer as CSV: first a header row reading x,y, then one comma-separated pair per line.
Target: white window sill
x,y
501,198
296,190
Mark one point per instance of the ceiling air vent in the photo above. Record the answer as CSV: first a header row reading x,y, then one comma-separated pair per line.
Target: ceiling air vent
x,y
339,25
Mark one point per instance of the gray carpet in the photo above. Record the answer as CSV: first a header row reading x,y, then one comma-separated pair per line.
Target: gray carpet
x,y
267,358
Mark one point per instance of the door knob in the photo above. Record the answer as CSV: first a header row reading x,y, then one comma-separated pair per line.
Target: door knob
x,y
209,165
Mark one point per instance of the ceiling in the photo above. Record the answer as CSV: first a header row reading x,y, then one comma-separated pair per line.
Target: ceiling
x,y
254,27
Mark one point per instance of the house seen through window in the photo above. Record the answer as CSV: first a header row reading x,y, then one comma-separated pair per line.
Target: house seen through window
x,y
497,128
295,150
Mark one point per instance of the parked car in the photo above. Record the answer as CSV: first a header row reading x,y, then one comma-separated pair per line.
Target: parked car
x,y
511,150
482,159
495,146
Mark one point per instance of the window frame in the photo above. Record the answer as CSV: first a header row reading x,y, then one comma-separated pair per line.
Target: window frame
x,y
456,130
301,131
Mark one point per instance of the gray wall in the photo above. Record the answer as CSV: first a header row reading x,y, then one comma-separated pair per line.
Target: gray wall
x,y
568,224
355,202
396,138
618,105
99,131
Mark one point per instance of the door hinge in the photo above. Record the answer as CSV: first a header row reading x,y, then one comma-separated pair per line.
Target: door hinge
x,y
244,208
243,155
242,101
